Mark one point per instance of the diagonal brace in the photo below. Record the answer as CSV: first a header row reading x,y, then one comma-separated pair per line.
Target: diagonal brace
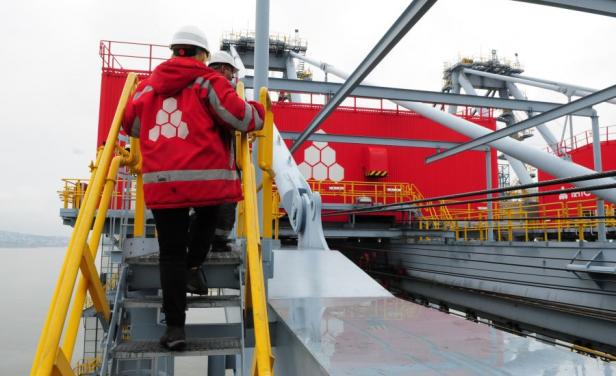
x,y
584,102
95,287
411,15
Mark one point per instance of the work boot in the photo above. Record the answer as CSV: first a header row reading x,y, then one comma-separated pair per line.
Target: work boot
x,y
221,244
196,283
174,338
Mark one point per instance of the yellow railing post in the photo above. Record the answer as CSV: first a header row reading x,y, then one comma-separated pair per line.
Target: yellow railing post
x,y
263,360
48,351
266,136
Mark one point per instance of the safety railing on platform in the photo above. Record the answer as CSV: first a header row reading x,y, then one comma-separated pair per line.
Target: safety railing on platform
x,y
51,358
582,139
74,190
531,221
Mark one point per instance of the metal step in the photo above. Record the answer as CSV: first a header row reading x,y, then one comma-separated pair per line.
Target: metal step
x,y
194,347
213,258
221,270
210,301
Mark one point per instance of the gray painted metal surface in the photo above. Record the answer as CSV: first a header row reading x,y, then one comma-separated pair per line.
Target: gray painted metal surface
x,y
588,101
602,7
411,15
370,91
350,139
348,333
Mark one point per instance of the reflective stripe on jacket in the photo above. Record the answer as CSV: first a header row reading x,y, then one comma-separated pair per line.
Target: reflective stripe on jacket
x,y
185,114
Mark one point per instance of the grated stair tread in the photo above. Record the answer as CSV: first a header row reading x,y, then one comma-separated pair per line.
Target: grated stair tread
x,y
213,258
209,301
194,347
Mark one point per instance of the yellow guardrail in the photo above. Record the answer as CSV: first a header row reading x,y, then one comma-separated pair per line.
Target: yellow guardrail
x,y
50,358
528,219
263,359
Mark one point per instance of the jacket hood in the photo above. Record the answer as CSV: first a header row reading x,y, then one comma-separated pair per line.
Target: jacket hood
x,y
175,74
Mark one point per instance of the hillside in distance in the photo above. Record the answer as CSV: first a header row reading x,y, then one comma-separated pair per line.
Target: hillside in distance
x,y
10,239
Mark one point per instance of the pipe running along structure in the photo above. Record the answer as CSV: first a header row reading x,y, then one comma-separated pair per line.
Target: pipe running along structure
x,y
549,163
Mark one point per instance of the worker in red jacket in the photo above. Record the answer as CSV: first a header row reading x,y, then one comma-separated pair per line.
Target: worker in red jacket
x,y
184,115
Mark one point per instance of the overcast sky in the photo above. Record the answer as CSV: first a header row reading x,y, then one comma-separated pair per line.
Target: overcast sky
x,y
50,69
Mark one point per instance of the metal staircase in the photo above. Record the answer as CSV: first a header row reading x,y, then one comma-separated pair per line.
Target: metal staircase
x,y
139,304
128,310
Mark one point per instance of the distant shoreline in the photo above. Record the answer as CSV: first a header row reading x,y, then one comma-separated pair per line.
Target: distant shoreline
x,y
9,239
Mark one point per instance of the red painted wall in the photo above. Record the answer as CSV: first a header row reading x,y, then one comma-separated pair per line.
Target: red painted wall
x,y
582,156
461,173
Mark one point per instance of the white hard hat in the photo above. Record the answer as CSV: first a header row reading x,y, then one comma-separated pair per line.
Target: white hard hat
x,y
190,35
221,57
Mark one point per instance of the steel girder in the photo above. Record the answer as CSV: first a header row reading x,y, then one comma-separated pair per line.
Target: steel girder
x,y
368,91
411,15
584,102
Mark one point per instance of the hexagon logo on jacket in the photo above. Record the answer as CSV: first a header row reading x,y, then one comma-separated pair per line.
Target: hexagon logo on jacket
x,y
169,122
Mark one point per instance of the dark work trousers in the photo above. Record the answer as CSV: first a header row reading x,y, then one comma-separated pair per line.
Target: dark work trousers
x,y
224,223
183,244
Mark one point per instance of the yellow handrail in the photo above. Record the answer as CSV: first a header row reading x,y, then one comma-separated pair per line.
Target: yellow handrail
x,y
80,254
263,360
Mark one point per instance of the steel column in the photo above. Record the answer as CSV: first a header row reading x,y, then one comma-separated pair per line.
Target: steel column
x,y
587,101
596,151
411,15
489,204
292,75
261,47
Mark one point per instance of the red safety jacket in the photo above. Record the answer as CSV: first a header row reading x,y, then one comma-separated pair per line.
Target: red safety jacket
x,y
185,114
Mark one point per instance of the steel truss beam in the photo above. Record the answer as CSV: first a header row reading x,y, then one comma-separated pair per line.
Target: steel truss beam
x,y
348,139
381,92
411,15
585,102
602,7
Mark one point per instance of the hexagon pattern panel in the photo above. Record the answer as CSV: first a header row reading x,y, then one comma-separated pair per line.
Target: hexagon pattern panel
x,y
169,122
320,162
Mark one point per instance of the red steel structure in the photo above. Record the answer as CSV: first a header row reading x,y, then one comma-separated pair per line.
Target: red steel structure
x,y
580,149
390,169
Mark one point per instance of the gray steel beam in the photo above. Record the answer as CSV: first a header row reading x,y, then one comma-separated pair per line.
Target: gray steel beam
x,y
367,91
566,89
602,7
411,15
261,58
585,102
596,151
349,139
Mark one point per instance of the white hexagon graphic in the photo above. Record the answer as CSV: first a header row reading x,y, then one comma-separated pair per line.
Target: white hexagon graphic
x,y
182,130
168,130
320,144
176,117
319,171
311,155
170,104
336,172
305,169
154,133
328,156
162,117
